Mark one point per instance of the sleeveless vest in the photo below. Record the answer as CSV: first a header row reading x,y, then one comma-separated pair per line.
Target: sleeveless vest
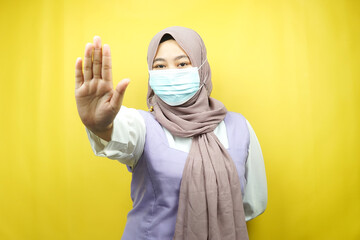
x,y
157,177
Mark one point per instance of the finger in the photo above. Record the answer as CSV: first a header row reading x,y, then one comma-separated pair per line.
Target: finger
x,y
87,62
118,96
97,58
106,71
79,77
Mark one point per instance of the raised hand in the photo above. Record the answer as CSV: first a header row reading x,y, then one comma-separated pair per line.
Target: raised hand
x,y
97,102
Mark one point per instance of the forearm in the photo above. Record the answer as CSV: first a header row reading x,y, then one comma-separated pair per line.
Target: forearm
x,y
126,141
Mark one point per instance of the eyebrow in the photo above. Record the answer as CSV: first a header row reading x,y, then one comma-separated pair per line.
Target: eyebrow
x,y
177,58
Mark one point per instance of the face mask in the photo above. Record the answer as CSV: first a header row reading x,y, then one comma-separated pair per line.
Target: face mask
x,y
175,86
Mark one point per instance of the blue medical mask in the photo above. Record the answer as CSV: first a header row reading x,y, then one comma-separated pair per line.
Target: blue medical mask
x,y
175,86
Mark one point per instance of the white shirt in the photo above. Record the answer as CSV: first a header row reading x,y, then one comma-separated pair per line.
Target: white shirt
x,y
127,145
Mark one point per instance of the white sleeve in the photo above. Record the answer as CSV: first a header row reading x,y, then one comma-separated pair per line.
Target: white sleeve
x,y
127,139
255,196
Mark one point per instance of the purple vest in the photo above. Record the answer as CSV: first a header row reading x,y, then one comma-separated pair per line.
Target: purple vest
x,y
157,176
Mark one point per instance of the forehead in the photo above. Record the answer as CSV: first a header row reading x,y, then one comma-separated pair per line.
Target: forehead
x,y
169,49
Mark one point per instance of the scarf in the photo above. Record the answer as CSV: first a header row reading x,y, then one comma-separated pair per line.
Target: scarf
x,y
210,200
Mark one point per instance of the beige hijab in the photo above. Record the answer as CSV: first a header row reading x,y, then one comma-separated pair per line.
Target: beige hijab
x,y
210,201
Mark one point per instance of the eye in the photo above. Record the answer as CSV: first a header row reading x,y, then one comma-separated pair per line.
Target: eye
x,y
183,64
159,66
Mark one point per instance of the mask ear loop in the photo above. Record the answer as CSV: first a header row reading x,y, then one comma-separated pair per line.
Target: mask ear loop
x,y
202,64
198,70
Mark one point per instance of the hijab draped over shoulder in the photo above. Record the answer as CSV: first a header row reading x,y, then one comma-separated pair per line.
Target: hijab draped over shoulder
x,y
210,201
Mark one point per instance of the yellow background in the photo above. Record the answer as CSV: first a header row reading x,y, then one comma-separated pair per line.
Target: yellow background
x,y
291,67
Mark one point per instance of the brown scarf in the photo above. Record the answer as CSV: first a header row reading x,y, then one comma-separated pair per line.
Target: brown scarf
x,y
210,201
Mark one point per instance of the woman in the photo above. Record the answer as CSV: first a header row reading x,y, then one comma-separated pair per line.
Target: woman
x,y
198,171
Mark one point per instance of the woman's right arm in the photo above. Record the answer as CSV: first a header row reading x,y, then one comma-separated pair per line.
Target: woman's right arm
x,y
113,133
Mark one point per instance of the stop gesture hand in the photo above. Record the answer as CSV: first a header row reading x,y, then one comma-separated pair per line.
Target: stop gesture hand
x,y
97,102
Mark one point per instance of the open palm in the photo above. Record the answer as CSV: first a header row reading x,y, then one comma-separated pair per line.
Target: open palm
x,y
97,101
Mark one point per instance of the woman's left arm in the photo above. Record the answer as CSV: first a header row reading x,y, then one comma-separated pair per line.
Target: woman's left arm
x,y
255,196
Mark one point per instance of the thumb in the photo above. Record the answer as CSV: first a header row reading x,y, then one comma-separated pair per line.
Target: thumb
x,y
119,92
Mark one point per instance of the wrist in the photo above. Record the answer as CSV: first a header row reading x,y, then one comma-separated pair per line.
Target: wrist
x,y
104,133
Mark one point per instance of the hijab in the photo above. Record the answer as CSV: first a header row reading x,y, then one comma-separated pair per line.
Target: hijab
x,y
210,200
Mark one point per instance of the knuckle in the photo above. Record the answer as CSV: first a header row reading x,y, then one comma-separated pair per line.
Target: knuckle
x,y
78,75
107,67
87,68
97,61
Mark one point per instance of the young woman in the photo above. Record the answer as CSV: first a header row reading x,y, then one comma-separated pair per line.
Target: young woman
x,y
197,169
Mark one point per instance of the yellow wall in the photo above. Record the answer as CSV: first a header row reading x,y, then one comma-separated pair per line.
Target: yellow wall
x,y
291,67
